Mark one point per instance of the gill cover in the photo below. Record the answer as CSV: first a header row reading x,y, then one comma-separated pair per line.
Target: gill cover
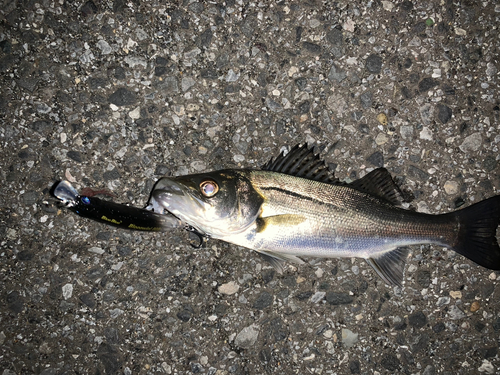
x,y
216,204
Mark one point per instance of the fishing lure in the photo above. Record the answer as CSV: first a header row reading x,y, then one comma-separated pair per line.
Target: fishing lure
x,y
119,215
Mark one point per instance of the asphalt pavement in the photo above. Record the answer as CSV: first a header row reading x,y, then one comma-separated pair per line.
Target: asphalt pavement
x,y
114,94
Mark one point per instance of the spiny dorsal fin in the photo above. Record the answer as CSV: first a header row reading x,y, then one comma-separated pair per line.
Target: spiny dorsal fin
x,y
391,266
379,183
301,161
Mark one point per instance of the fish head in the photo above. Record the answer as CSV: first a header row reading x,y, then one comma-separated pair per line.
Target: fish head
x,y
217,204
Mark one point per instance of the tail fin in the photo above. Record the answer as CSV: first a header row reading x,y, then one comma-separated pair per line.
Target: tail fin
x,y
478,228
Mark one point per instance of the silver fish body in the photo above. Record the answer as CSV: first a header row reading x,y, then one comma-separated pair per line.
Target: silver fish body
x,y
285,217
308,218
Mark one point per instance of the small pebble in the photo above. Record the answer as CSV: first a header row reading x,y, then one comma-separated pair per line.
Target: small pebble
x,y
455,313
349,338
191,107
96,250
114,313
349,25
67,291
388,5
292,71
187,83
179,110
318,296
355,270
232,76
426,134
472,143
104,47
68,176
475,306
247,336
456,294
319,273
451,187
382,118
406,132
238,158
314,23
427,110
135,114
443,301
487,367
229,288
117,266
381,139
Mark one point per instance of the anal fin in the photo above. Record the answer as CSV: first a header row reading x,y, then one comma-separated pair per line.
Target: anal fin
x,y
391,265
278,261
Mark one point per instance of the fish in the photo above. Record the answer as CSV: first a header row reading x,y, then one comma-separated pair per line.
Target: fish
x,y
108,212
294,208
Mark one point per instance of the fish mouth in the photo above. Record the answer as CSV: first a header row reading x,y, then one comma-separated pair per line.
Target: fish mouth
x,y
170,196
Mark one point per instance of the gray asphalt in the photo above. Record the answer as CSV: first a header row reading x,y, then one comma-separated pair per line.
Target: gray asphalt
x,y
113,95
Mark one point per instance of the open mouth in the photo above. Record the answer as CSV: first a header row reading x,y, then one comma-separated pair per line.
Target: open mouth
x,y
168,196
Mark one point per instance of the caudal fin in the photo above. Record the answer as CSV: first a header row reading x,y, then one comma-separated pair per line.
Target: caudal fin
x,y
478,228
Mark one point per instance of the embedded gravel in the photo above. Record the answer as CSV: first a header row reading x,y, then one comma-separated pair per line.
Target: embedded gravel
x,y
113,95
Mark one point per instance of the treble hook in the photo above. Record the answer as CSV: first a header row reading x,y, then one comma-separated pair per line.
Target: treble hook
x,y
202,238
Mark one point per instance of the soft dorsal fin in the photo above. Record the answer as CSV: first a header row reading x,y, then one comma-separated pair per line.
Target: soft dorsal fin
x,y
301,161
379,183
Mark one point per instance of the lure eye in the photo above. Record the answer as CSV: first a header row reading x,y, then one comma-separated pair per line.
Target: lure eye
x,y
85,200
209,188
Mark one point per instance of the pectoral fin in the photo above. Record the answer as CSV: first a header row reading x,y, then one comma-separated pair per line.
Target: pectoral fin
x,y
391,266
279,222
278,261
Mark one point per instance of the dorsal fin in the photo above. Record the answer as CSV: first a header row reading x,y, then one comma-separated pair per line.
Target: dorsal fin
x,y
301,161
379,183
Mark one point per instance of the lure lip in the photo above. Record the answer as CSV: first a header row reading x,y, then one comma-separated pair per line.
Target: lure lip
x,y
65,193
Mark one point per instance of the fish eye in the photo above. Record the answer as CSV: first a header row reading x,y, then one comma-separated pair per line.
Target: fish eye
x,y
209,188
